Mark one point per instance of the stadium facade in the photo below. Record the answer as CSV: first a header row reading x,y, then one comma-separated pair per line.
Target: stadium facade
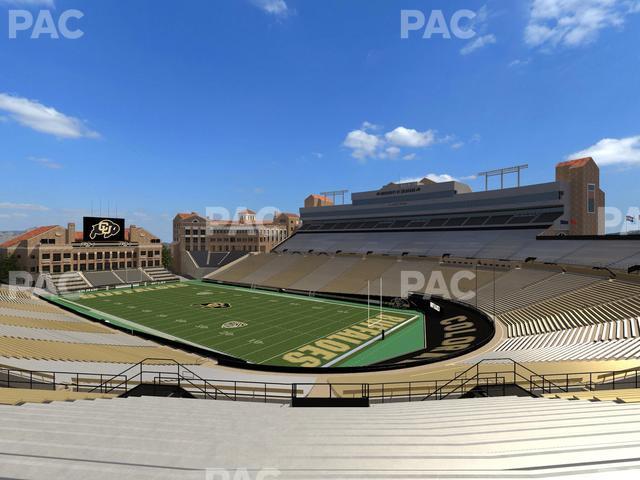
x,y
104,253
571,205
201,245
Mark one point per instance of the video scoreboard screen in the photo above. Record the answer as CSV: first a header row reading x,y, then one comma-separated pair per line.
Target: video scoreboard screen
x,y
102,229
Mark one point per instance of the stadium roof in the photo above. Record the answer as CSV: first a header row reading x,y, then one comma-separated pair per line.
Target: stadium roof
x,y
26,236
187,215
579,162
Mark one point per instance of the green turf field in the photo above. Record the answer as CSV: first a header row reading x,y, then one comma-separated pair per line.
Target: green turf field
x,y
257,326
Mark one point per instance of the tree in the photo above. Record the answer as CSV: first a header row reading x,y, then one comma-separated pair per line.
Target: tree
x,y
7,264
167,258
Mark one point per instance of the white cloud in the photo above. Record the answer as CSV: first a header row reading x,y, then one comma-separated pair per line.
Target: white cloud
x,y
613,151
409,137
362,144
519,63
46,163
41,118
368,126
23,206
366,143
277,8
478,43
434,177
457,145
574,23
392,152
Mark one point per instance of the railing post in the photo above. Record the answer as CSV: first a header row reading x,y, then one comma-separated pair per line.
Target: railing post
x,y
613,379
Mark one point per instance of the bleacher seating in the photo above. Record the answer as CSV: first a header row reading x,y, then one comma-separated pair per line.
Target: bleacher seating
x,y
182,438
160,274
103,279
69,281
517,245
31,329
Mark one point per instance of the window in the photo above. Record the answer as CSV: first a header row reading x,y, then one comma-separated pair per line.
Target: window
x,y
92,256
83,256
66,255
591,198
67,268
99,255
46,256
56,269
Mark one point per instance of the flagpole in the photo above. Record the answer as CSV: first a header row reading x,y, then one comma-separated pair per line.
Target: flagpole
x,y
380,298
368,303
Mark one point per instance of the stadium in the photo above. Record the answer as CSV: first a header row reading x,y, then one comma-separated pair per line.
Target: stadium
x,y
499,329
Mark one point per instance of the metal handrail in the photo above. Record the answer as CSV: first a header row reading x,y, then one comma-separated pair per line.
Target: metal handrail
x,y
437,388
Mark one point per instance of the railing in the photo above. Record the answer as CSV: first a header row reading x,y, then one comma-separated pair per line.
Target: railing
x,y
495,377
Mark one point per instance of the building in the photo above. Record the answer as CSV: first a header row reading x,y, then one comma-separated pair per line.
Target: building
x,y
194,233
314,200
55,249
586,199
571,205
290,220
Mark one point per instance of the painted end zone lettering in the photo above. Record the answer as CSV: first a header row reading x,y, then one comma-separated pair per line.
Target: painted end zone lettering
x,y
339,345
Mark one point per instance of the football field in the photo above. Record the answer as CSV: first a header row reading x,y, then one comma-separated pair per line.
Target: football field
x,y
257,326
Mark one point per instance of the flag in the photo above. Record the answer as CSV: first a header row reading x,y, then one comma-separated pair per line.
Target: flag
x,y
631,219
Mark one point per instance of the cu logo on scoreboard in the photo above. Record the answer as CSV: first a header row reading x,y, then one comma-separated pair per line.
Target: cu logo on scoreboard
x,y
104,229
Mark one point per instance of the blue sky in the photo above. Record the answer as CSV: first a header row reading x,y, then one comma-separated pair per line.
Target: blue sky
x,y
163,107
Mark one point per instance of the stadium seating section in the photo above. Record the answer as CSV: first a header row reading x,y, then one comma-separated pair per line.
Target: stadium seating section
x,y
517,245
548,313
74,281
147,437
31,329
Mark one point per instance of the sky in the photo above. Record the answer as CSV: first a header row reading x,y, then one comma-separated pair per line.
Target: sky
x,y
164,107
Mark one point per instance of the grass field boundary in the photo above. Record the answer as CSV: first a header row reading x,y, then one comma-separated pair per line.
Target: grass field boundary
x,y
299,296
119,319
127,324
369,342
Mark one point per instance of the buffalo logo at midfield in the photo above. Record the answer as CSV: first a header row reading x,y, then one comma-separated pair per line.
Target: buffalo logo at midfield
x,y
104,229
